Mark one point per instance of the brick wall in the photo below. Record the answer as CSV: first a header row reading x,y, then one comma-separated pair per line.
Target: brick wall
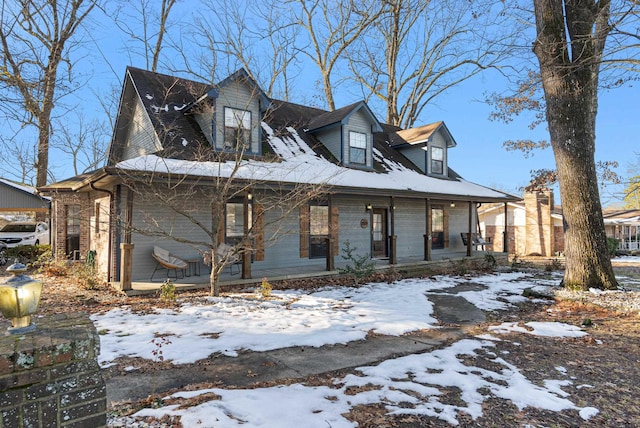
x,y
50,377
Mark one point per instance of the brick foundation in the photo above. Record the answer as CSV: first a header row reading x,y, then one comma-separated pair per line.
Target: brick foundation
x,y
50,377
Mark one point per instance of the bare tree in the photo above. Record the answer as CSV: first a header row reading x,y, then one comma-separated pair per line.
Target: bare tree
x,y
84,141
416,50
147,26
19,160
331,27
259,37
36,37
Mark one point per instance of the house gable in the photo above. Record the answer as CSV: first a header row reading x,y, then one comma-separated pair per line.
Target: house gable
x,y
427,147
348,133
151,117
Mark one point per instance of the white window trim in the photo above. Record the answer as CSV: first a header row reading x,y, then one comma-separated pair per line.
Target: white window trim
x,y
352,140
236,118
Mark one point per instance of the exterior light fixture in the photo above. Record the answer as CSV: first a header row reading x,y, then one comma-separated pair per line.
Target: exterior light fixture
x,y
19,298
249,196
367,207
453,204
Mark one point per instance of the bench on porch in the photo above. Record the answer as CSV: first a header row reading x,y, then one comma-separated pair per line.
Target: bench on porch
x,y
164,260
476,240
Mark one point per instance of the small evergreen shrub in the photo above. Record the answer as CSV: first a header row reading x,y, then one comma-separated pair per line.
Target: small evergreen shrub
x,y
612,245
361,266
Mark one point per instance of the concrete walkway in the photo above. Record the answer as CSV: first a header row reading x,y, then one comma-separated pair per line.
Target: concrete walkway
x,y
297,362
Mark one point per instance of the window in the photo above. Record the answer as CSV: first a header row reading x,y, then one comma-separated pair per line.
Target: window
x,y
437,227
72,241
234,227
437,160
318,230
237,128
357,147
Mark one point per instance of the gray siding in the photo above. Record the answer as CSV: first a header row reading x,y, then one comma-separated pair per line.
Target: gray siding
x,y
16,199
146,213
458,223
352,211
332,140
410,227
205,121
141,138
240,96
416,155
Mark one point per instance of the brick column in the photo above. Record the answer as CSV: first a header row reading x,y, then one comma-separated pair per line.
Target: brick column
x,y
50,377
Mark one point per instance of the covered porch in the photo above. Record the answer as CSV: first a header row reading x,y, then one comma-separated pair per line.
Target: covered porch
x,y
625,227
410,265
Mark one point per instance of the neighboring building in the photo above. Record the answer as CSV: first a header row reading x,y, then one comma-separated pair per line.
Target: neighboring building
x,y
624,225
534,225
390,192
20,202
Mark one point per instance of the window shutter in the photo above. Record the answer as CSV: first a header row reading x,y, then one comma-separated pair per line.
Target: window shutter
x,y
258,235
334,227
445,226
304,231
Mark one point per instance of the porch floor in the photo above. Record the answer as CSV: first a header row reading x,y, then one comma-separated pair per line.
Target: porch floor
x,y
298,272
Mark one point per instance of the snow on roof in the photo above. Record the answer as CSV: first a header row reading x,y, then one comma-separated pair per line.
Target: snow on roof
x,y
300,164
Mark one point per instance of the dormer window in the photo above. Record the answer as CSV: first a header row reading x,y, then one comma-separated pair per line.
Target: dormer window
x,y
237,128
437,160
357,148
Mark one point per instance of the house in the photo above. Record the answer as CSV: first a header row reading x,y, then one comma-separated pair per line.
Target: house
x,y
298,182
624,225
534,224
21,202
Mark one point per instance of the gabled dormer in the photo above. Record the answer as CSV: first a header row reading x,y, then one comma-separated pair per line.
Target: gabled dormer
x,y
348,134
427,147
231,112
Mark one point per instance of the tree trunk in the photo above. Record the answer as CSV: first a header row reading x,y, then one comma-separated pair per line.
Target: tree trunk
x,y
569,71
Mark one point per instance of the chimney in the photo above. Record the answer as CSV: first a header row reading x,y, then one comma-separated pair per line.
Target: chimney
x,y
538,205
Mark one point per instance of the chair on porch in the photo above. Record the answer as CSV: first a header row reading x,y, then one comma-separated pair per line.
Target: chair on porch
x,y
476,240
226,254
164,260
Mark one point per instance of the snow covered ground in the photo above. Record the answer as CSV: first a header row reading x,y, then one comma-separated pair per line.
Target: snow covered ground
x,y
337,315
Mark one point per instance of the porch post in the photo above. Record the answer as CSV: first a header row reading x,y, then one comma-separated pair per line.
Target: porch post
x,y
393,258
427,235
505,234
470,231
126,251
246,249
330,262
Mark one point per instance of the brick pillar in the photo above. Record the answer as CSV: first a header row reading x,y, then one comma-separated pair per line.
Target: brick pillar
x,y
50,377
539,233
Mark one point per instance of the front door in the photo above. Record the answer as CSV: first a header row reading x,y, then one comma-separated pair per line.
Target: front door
x,y
379,233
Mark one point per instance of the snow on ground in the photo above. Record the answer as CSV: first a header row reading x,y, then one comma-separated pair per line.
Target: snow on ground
x,y
413,379
293,318
338,315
